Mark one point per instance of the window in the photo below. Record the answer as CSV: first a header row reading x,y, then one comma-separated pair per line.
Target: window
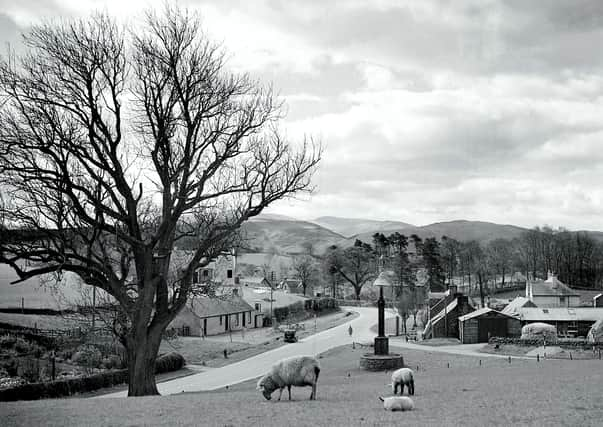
x,y
205,273
249,317
258,307
545,310
229,274
237,319
220,320
561,300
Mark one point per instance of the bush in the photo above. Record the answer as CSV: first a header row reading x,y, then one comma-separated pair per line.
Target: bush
x,y
281,313
169,362
87,355
66,387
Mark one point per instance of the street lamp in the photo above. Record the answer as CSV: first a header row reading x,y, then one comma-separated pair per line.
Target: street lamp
x,y
385,278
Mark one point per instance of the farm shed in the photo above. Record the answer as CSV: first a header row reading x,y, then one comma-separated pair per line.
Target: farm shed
x,y
572,322
484,323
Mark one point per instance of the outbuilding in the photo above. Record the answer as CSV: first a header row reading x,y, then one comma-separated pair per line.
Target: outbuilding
x,y
480,325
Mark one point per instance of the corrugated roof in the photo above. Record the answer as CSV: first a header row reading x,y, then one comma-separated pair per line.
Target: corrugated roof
x,y
209,307
560,314
480,312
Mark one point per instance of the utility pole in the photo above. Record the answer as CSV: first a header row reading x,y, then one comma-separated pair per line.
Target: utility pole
x,y
93,307
271,290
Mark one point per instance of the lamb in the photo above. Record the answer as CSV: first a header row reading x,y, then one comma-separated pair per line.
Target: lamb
x,y
297,371
397,403
402,377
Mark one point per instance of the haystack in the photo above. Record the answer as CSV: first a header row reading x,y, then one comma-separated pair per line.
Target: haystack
x,y
539,331
595,334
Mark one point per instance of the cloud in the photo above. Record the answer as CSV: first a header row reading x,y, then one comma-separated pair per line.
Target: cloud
x,y
428,110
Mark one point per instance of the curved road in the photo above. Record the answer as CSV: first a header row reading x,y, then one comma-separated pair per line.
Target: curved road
x,y
258,365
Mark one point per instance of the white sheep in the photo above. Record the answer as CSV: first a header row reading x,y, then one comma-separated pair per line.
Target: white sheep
x,y
403,377
397,403
299,371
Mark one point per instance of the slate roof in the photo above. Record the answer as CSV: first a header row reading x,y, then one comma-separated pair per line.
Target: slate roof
x,y
204,306
254,280
552,287
513,307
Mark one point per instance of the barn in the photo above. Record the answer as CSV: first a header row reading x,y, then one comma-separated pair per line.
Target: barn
x,y
480,325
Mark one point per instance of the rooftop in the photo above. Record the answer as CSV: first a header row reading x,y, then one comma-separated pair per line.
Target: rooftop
x,y
204,306
481,312
552,287
587,314
513,307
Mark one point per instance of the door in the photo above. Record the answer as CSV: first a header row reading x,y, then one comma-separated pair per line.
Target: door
x,y
491,328
227,317
204,327
244,318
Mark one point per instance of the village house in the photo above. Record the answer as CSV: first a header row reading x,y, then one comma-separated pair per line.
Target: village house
x,y
254,282
551,293
292,286
445,313
204,316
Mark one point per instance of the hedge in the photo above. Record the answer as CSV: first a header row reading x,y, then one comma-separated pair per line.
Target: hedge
x,y
66,387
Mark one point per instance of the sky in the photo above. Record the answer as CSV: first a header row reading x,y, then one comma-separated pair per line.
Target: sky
x,y
427,110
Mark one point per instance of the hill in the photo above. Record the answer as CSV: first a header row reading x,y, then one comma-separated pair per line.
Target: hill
x,y
460,230
349,227
279,236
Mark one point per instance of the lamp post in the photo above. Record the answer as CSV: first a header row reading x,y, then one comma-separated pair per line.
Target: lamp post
x,y
381,341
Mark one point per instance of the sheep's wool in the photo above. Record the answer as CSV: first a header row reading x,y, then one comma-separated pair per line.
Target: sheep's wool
x,y
398,403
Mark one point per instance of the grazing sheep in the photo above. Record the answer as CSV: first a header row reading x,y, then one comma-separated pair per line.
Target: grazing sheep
x,y
299,371
403,377
397,403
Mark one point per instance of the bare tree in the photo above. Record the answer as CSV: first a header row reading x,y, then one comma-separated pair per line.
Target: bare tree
x,y
114,146
306,270
356,264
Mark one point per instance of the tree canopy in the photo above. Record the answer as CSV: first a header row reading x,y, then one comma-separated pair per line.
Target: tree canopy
x,y
116,144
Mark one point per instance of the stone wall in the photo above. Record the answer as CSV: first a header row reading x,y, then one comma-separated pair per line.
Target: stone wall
x,y
372,362
570,343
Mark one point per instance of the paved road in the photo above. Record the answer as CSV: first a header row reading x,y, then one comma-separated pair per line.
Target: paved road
x,y
258,365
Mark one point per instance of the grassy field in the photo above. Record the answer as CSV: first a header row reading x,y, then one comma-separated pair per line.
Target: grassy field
x,y
525,392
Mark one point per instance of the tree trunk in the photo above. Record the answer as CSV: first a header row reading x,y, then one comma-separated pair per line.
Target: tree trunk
x,y
142,353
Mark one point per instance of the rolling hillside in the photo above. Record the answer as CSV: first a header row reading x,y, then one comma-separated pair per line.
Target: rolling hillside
x,y
349,227
460,230
264,234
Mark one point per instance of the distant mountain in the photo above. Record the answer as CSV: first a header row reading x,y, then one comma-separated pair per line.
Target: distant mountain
x,y
351,226
286,236
460,230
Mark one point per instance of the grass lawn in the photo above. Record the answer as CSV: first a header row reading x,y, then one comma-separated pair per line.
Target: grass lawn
x,y
525,392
